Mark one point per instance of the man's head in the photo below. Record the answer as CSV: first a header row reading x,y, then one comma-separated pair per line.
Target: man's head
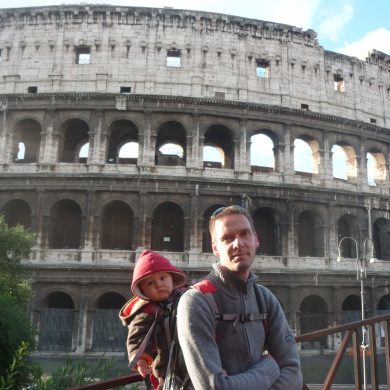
x,y
234,239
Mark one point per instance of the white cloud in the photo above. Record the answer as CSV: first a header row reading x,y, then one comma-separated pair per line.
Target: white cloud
x,y
335,20
378,39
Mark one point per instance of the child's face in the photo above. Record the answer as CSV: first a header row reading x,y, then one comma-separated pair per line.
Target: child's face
x,y
158,286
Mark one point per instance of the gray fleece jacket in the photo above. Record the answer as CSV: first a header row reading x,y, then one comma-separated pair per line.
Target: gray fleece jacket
x,y
236,359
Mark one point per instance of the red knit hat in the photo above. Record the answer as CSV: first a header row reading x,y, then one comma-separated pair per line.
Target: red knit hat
x,y
150,262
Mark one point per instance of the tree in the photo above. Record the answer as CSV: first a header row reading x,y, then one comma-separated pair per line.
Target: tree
x,y
15,327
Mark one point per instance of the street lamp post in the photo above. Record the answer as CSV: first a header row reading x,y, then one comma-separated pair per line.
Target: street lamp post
x,y
361,274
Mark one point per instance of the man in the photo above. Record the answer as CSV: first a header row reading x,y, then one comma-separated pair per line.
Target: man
x,y
232,354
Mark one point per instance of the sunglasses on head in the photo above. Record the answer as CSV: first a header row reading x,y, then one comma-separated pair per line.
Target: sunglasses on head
x,y
220,209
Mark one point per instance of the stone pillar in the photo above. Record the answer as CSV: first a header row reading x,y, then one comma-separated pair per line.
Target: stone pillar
x,y
326,166
242,162
362,173
48,149
82,323
287,169
194,239
89,225
97,141
194,158
146,150
3,132
140,230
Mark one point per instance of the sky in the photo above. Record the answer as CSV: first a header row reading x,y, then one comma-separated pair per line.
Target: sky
x,y
351,27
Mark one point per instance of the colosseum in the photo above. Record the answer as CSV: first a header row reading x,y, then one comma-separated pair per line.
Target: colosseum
x,y
124,128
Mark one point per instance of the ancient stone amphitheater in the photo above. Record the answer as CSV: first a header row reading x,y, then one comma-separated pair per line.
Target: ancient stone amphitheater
x,y
124,128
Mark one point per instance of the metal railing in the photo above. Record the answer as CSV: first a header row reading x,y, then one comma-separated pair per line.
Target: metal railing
x,y
351,334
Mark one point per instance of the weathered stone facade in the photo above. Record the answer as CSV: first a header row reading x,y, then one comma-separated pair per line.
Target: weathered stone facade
x,y
106,77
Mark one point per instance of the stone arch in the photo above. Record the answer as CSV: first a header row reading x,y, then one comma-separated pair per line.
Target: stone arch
x,y
56,322
121,132
314,316
262,151
347,226
65,229
168,228
221,139
26,141
350,170
310,234
117,226
381,238
384,305
351,309
206,238
75,133
171,144
376,167
307,158
267,231
17,212
108,332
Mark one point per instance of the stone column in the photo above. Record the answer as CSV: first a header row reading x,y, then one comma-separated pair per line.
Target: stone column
x,y
97,141
3,132
362,173
146,151
242,162
194,159
287,169
89,226
326,165
194,239
48,148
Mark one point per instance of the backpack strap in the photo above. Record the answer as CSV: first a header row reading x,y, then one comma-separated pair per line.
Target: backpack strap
x,y
207,287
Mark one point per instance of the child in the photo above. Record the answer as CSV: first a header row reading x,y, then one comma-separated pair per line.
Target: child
x,y
156,286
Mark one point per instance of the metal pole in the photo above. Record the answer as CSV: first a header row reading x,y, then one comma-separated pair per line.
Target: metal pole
x,y
364,345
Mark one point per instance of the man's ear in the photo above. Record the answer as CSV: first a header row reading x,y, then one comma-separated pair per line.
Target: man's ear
x,y
214,247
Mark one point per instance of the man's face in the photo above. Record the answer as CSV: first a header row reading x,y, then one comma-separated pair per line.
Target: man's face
x,y
158,286
235,243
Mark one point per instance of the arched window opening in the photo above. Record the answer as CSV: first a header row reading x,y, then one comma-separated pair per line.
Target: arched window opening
x,y
339,163
17,212
171,145
21,151
381,238
306,156
76,135
108,332
347,226
83,153
26,141
123,144
351,309
66,225
128,153
168,228
310,235
267,231
220,138
344,162
213,157
117,226
376,168
262,153
171,149
56,323
206,238
384,305
314,312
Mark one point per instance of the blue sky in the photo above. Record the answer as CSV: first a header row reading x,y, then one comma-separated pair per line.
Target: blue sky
x,y
352,27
